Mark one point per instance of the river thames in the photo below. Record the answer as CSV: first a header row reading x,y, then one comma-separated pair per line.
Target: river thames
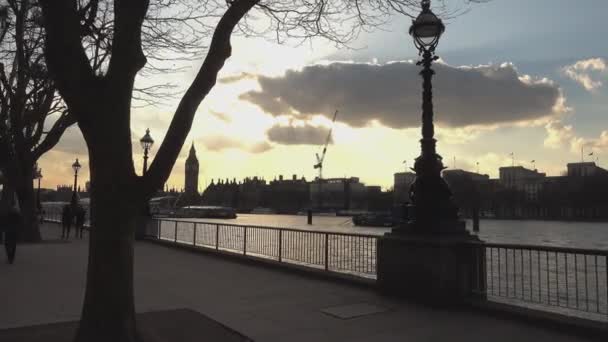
x,y
592,235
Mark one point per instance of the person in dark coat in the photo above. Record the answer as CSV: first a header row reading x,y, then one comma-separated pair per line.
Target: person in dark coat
x,y
66,221
13,224
80,216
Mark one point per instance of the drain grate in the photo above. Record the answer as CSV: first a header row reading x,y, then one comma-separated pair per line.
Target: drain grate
x,y
354,310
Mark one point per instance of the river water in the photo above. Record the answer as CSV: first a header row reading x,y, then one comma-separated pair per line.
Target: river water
x,y
592,235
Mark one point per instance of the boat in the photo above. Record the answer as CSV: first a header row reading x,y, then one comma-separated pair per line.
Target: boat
x,y
262,210
196,211
374,220
316,212
350,212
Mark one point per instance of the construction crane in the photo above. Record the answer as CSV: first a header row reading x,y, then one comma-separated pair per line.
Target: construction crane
x,y
319,164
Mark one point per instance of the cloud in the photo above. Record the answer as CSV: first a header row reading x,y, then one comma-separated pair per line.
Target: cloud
x,y
583,70
560,135
302,134
236,78
222,116
222,142
72,142
391,94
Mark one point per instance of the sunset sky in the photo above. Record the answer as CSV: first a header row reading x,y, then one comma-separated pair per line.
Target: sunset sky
x,y
520,76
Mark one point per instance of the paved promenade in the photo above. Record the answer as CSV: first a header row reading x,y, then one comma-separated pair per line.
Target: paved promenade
x,y
46,284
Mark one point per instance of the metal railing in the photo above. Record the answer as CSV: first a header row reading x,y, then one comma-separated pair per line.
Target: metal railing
x,y
569,281
336,252
565,280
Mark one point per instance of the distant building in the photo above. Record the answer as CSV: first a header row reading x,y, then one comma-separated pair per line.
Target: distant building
x,y
191,176
585,169
190,196
251,194
467,189
287,195
338,193
476,177
522,179
401,187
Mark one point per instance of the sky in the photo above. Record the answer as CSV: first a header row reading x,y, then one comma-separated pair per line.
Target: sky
x,y
515,76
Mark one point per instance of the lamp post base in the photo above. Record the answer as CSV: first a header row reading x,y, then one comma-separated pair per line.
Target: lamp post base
x,y
442,266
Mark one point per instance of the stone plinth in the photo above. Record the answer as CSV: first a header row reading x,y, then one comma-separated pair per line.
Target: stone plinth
x,y
444,266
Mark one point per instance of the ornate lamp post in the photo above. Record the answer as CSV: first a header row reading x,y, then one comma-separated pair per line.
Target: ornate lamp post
x,y
76,166
146,143
432,208
38,175
430,258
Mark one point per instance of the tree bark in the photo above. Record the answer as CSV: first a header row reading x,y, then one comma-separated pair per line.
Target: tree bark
x,y
108,311
26,197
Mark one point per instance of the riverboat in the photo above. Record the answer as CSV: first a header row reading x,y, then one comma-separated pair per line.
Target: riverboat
x,y
195,211
374,220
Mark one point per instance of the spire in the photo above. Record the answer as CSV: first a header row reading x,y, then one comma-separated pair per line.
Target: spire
x,y
192,151
192,155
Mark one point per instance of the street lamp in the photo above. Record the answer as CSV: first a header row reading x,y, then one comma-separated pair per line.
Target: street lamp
x,y
433,209
38,175
76,166
146,143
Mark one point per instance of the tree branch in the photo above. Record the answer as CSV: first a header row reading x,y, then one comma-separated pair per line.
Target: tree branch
x,y
219,52
127,55
65,56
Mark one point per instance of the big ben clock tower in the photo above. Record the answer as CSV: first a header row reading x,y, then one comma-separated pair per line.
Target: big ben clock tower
x,y
191,183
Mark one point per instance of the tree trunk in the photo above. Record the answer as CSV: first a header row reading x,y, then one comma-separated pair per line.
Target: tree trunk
x,y
108,312
27,204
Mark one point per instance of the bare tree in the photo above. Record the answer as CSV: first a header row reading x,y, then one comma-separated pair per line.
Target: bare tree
x,y
33,116
28,101
102,102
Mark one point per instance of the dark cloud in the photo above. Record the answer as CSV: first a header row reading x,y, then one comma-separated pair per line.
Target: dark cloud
x,y
391,94
222,142
298,135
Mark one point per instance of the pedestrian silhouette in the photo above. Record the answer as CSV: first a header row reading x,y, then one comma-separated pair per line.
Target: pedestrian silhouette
x,y
80,216
66,221
13,224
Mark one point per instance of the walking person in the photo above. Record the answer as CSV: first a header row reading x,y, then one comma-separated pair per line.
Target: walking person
x,y
66,221
80,216
13,224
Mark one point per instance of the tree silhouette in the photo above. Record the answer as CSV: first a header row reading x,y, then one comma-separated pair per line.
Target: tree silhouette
x,y
101,102
28,103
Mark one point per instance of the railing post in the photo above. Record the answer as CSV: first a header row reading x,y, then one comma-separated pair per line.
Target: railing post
x,y
217,236
175,232
158,224
194,234
244,240
280,245
326,251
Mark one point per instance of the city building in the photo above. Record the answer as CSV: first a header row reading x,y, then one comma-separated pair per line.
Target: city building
x,y
287,195
584,169
338,194
401,187
190,196
191,172
522,179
